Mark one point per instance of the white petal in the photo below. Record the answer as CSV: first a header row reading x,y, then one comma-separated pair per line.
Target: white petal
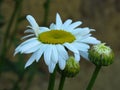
x,y
27,36
27,41
40,52
84,55
71,48
18,49
79,38
47,54
33,49
52,26
28,46
67,22
58,21
54,54
91,40
75,24
81,31
44,28
31,60
77,56
29,31
51,67
62,63
32,21
62,52
34,24
81,46
74,50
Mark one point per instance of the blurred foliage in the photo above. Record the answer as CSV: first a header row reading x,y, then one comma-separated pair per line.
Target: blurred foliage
x,y
10,40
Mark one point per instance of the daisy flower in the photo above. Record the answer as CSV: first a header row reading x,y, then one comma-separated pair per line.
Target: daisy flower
x,y
55,42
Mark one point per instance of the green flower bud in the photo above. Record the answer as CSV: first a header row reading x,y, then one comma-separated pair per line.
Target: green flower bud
x,y
101,55
72,68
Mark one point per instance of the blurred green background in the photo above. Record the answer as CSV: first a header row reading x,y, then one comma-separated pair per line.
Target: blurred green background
x,y
102,15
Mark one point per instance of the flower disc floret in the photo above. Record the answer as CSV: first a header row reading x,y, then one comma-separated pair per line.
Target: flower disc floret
x,y
56,37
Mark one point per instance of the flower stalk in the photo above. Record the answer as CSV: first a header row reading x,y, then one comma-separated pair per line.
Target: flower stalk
x,y
52,80
100,55
93,78
62,81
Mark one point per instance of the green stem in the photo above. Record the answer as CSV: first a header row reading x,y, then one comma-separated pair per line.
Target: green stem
x,y
52,80
13,35
8,29
94,76
62,81
47,8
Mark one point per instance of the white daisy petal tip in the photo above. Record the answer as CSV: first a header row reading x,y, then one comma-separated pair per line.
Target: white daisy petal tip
x,y
58,21
92,30
30,18
51,67
32,21
14,53
26,65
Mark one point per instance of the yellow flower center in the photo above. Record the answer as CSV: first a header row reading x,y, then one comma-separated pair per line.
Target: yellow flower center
x,y
56,37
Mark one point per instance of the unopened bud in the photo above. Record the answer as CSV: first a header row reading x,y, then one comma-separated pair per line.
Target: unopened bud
x,y
101,55
72,68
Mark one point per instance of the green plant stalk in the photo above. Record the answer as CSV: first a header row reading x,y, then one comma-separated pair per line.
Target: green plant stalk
x,y
93,78
7,32
13,35
52,80
46,11
62,81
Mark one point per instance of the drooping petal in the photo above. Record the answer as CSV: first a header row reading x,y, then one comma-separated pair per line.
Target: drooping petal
x,y
61,63
31,60
84,55
77,56
70,47
47,54
74,50
62,52
51,67
54,56
40,52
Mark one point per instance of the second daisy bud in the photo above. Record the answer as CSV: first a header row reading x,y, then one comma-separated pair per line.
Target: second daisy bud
x,y
101,55
72,68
